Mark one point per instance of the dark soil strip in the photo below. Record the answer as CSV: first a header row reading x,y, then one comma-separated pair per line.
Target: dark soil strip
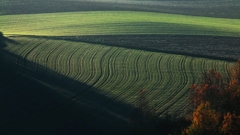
x,y
212,47
225,9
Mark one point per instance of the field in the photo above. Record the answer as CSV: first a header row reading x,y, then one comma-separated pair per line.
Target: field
x,y
78,70
108,23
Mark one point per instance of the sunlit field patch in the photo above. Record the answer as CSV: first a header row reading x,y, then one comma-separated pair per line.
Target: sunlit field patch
x,y
118,22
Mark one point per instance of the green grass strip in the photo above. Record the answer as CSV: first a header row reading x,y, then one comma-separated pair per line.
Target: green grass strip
x,y
116,22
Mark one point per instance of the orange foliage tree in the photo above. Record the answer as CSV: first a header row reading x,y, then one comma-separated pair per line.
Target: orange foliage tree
x,y
205,121
230,124
213,84
216,104
232,94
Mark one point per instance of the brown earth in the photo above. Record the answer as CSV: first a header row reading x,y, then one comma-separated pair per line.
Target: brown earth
x,y
204,46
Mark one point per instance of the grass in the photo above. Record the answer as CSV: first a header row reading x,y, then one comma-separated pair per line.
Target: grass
x,y
116,22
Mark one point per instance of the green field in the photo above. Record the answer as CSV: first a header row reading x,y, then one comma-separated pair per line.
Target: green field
x,y
76,73
79,71
124,22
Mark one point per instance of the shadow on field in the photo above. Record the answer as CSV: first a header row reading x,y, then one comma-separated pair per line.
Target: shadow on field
x,y
36,100
4,40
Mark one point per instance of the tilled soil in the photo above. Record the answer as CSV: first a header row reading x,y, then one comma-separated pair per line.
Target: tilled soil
x,y
213,47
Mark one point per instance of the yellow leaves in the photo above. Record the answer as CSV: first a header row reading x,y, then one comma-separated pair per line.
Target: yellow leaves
x,y
204,117
223,97
205,120
227,122
230,124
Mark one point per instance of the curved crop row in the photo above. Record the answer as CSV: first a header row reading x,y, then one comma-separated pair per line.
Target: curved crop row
x,y
68,72
120,72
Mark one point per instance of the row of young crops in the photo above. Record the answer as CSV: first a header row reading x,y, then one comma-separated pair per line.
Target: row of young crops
x,y
115,72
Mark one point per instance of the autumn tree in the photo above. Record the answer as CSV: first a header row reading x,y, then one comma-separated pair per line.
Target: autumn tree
x,y
233,92
230,124
205,121
216,103
211,89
